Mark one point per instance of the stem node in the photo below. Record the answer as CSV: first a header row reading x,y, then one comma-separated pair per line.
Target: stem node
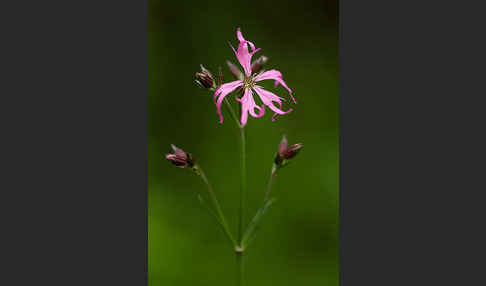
x,y
239,250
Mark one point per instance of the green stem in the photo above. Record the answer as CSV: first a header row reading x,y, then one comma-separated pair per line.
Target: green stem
x,y
270,183
232,112
239,249
238,245
240,269
243,186
216,204
250,231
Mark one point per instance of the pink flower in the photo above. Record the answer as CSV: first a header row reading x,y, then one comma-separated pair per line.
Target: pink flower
x,y
248,85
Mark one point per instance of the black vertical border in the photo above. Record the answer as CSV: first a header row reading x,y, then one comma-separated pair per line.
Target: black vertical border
x,y
74,143
412,143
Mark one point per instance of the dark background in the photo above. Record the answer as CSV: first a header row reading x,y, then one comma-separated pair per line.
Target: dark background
x,y
298,242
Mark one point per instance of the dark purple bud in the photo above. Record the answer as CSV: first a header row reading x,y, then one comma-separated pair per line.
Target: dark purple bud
x,y
286,152
205,78
258,64
235,70
180,158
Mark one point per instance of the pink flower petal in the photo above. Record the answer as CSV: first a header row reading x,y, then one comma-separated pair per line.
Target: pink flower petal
x,y
277,76
242,54
248,105
240,37
268,99
244,57
222,92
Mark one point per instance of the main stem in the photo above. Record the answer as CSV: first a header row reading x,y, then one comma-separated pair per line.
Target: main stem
x,y
239,265
243,186
239,250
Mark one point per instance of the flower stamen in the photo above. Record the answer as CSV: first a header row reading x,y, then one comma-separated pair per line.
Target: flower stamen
x,y
248,82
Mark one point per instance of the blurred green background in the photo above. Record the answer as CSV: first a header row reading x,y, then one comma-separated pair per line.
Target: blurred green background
x,y
298,241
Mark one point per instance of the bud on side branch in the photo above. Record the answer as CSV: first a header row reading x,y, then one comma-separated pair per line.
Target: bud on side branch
x,y
286,152
180,158
205,78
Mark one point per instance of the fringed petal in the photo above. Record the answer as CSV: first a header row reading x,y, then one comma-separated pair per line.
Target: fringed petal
x,y
277,76
243,54
268,99
222,92
248,106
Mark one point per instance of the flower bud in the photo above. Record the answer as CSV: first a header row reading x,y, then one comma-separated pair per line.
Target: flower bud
x,y
180,158
286,152
205,78
258,64
235,70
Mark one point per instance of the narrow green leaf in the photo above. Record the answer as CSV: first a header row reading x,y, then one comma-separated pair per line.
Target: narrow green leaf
x,y
256,221
217,218
207,207
211,212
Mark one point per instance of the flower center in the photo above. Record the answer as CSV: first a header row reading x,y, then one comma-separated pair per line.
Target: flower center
x,y
248,82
